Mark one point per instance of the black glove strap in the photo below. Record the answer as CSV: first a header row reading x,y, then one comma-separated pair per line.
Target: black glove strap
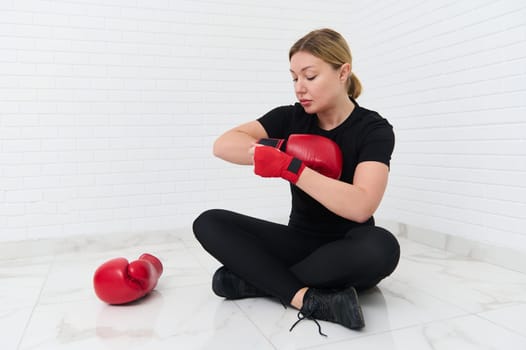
x,y
294,166
276,143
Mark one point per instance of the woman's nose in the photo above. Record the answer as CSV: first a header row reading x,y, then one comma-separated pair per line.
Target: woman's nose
x,y
299,87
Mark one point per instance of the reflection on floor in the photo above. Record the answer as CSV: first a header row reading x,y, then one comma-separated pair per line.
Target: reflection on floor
x,y
434,300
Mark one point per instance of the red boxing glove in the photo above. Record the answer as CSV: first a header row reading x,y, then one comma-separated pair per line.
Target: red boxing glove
x,y
271,162
119,282
317,152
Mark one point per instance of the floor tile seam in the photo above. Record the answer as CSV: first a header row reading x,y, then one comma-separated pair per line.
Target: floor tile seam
x,y
340,341
185,286
37,302
44,259
193,253
481,316
457,305
40,303
460,306
347,339
465,311
392,330
368,335
467,260
465,256
442,300
63,245
269,341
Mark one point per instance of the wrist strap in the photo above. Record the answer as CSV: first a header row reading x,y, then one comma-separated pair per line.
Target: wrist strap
x,y
293,171
276,143
295,165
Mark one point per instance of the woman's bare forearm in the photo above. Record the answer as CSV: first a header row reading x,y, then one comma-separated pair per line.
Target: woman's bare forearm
x,y
234,145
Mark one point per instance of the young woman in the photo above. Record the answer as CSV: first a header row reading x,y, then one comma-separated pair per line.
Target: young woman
x,y
336,156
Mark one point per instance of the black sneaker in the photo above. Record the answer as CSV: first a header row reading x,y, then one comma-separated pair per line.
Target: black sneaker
x,y
341,306
228,285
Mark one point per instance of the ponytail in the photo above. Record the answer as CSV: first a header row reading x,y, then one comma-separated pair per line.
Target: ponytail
x,y
355,86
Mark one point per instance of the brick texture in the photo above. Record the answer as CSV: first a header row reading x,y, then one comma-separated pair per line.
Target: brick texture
x,y
109,109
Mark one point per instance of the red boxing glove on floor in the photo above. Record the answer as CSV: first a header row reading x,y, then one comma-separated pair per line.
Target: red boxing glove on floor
x,y
271,162
119,282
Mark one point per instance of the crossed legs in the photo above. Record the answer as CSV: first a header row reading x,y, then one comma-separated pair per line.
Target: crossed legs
x,y
284,262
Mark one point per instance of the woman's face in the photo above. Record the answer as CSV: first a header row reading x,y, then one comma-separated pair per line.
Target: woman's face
x,y
318,86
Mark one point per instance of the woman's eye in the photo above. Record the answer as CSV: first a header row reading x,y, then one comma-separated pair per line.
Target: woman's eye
x,y
308,78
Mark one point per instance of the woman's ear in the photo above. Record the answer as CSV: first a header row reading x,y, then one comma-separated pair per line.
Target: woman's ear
x,y
345,72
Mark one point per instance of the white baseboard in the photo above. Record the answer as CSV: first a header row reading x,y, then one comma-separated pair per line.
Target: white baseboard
x,y
501,256
86,244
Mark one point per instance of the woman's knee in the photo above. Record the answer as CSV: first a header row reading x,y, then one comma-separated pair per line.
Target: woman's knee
x,y
388,240
380,245
205,222
390,250
375,236
389,246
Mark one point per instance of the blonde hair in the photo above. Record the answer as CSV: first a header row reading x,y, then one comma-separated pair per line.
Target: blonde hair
x,y
331,47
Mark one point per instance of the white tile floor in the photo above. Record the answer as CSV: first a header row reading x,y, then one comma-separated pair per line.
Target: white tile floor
x,y
435,300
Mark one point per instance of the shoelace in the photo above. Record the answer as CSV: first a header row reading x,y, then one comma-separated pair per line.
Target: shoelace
x,y
302,317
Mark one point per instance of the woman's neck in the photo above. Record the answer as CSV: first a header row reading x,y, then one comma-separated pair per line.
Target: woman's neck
x,y
333,117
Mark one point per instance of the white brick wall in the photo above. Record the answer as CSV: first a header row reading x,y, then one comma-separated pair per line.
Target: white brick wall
x,y
108,109
451,77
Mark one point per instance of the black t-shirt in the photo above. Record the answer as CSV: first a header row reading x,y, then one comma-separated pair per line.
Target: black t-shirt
x,y
363,136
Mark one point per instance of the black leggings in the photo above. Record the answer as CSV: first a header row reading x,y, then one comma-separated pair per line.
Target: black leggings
x,y
280,260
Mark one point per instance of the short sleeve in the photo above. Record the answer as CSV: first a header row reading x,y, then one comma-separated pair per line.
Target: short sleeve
x,y
378,143
276,122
